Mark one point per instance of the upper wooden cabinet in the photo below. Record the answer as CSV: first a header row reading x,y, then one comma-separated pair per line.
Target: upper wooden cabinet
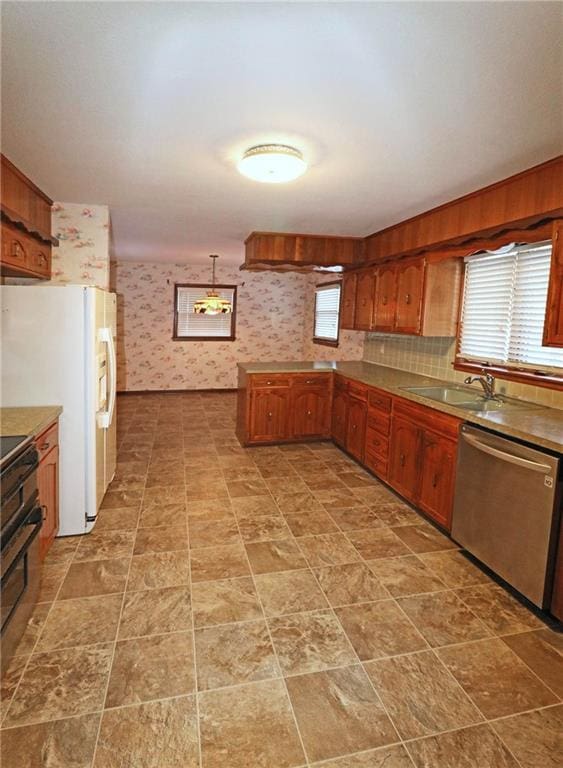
x,y
365,294
553,328
275,249
26,226
408,303
348,300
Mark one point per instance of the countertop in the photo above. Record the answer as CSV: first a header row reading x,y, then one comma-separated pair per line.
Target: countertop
x,y
27,421
538,425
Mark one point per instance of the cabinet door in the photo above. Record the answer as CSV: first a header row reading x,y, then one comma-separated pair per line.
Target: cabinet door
x,y
408,311
348,301
311,412
384,314
553,327
48,485
365,293
339,416
356,432
269,414
404,462
14,248
438,475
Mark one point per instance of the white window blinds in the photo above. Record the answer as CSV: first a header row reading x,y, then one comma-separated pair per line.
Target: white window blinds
x,y
503,312
327,307
190,325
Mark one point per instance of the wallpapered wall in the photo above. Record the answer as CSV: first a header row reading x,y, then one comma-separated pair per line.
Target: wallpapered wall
x,y
274,322
83,253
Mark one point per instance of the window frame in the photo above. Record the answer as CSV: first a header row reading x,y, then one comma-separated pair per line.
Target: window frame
x,y
319,339
510,372
204,287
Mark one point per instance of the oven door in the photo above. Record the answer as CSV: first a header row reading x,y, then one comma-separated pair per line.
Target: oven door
x,y
19,584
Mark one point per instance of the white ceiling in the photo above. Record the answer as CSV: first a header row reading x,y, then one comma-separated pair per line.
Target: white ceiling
x,y
397,107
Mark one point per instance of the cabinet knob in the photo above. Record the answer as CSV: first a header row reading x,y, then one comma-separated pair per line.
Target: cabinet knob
x,y
270,414
435,481
407,298
269,382
44,446
309,413
384,301
310,381
354,426
402,459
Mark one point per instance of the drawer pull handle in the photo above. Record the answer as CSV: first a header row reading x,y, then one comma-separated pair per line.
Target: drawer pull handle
x,y
435,481
269,382
44,446
384,301
408,298
310,381
402,459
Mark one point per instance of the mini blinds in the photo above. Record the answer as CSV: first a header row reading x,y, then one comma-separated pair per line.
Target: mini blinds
x,y
189,325
504,304
327,308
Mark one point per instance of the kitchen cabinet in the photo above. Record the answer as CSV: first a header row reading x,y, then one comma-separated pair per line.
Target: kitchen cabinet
x,y
438,459
377,432
404,461
48,486
26,226
275,248
311,411
339,426
269,411
365,294
408,302
384,305
348,300
356,427
553,327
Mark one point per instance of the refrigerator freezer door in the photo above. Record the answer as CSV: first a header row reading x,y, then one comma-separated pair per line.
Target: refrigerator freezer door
x,y
111,432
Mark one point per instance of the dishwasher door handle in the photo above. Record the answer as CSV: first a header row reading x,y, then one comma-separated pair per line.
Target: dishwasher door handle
x,y
520,462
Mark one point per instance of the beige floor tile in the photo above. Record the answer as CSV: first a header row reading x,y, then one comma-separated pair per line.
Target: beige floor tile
x,y
148,668
82,621
310,642
63,550
420,695
52,577
443,618
211,509
384,757
33,628
352,720
222,602
278,555
289,592
155,611
151,540
395,513
159,478
238,488
68,743
234,653
249,507
380,542
265,528
350,583
10,680
223,562
163,515
151,735
454,569
297,502
120,519
115,499
210,533
156,497
542,651
61,684
328,549
424,538
405,575
475,747
157,570
337,499
95,577
497,681
379,629
249,725
356,518
236,474
105,546
323,481
534,738
375,494
310,523
283,485
497,609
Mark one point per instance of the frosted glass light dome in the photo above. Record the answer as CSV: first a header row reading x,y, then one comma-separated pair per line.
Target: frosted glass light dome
x,y
272,163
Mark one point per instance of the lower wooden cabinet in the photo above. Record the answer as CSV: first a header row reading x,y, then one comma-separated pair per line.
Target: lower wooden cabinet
x,y
311,412
48,486
404,458
339,426
356,428
268,415
438,460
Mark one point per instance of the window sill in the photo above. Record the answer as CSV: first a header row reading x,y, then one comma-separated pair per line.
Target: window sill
x,y
203,338
520,375
325,342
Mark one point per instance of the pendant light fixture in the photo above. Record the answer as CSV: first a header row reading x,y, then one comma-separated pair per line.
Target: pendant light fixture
x,y
272,163
213,304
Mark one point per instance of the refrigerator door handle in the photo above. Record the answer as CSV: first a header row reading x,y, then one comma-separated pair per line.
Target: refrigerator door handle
x,y
518,460
105,418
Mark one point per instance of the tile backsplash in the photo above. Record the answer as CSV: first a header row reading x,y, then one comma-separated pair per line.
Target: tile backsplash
x,y
434,356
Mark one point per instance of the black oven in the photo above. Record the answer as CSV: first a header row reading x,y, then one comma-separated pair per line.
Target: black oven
x,y
21,519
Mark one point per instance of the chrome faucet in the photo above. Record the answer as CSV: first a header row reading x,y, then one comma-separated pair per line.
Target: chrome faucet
x,y
487,382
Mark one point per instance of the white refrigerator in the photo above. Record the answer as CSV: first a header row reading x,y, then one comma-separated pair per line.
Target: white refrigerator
x,y
58,348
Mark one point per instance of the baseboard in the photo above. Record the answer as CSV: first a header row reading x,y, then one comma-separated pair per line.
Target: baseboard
x,y
217,390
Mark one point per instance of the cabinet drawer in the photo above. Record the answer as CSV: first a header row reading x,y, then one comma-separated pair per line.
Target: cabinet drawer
x,y
380,422
376,464
269,380
377,443
378,400
357,389
340,383
47,440
321,380
427,418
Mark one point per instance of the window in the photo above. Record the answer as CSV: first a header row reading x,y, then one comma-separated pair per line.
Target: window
x,y
189,326
503,312
327,311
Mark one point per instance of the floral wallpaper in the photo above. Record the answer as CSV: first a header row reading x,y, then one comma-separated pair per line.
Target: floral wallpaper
x,y
274,322
83,253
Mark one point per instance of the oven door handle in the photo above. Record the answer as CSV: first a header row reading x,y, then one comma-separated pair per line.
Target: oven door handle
x,y
34,518
510,457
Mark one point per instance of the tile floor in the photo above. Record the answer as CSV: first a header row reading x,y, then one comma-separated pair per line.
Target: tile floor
x,y
270,608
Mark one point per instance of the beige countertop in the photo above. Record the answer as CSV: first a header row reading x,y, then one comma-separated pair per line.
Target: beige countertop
x,y
538,425
27,421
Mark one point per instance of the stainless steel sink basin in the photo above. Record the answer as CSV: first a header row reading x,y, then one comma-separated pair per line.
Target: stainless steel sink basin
x,y
469,400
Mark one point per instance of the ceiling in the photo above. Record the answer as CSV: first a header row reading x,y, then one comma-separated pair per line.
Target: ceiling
x,y
397,107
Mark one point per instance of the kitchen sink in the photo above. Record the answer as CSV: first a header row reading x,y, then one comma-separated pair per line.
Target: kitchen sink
x,y
461,397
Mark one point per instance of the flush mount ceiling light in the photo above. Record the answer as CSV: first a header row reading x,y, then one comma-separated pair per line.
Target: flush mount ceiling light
x,y
212,304
272,163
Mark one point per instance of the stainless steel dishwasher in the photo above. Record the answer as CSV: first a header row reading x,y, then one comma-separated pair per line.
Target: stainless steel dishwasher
x,y
507,508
